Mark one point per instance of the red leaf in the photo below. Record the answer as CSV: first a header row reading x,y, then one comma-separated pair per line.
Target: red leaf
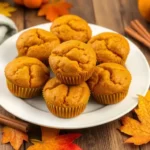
x,y
67,138
52,141
71,146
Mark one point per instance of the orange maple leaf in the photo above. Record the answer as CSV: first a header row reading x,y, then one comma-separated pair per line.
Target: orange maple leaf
x,y
139,130
51,140
54,10
6,9
13,136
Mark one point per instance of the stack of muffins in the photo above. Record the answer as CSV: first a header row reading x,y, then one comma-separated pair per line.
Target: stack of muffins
x,y
72,54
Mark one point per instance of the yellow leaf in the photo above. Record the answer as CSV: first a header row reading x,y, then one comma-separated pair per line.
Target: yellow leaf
x,y
6,9
138,129
148,95
13,136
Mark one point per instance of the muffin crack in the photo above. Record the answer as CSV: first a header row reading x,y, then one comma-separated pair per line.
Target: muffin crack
x,y
111,79
106,41
67,94
69,24
53,87
28,67
39,37
30,74
107,45
96,83
28,48
74,29
66,55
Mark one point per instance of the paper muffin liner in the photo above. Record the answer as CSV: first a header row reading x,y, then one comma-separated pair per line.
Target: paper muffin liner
x,y
74,80
110,98
22,92
66,112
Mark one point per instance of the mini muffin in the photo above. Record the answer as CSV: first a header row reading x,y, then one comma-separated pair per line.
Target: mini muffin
x,y
109,83
71,27
26,76
110,47
37,43
73,62
65,101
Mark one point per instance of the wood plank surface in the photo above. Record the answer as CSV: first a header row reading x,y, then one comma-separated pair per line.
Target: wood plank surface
x,y
31,18
84,9
114,14
129,14
107,14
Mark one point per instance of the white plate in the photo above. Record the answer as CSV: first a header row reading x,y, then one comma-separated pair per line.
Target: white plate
x,y
35,110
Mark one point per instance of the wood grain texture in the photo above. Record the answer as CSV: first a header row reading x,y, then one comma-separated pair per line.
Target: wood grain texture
x,y
129,14
145,147
18,18
31,18
107,14
84,9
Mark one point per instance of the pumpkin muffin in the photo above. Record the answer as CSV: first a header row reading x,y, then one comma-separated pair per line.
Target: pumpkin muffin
x,y
65,101
73,62
71,27
109,83
37,43
110,47
26,76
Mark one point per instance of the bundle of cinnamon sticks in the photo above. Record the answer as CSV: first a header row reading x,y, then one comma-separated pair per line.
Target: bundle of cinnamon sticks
x,y
17,124
138,32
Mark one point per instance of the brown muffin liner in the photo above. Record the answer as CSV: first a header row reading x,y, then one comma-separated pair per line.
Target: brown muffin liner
x,y
74,80
22,92
66,112
110,98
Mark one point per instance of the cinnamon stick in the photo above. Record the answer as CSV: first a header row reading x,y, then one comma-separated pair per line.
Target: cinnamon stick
x,y
138,37
136,25
17,124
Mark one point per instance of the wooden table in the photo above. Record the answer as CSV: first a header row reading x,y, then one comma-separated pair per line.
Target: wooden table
x,y
113,14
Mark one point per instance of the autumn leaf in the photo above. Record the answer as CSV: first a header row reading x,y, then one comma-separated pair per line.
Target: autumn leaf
x,y
6,9
51,140
138,129
15,137
54,10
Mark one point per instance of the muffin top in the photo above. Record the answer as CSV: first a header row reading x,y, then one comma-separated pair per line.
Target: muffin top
x,y
59,94
36,43
27,72
109,78
110,47
71,27
72,58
